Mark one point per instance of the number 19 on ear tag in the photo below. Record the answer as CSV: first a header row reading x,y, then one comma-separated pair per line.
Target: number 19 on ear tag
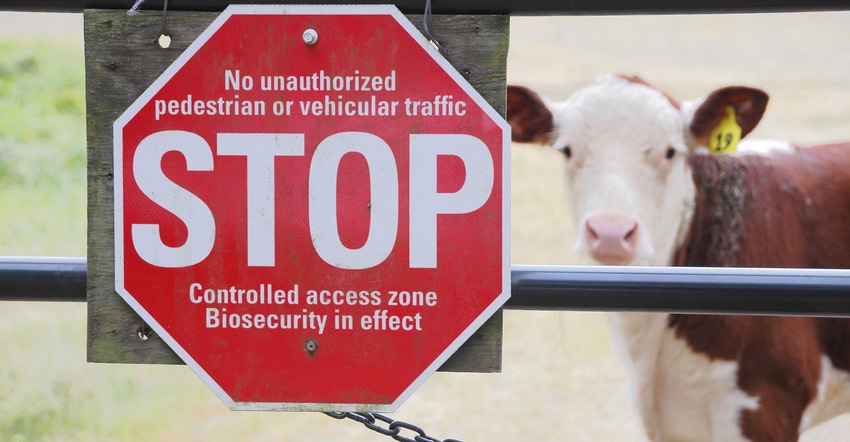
x,y
724,139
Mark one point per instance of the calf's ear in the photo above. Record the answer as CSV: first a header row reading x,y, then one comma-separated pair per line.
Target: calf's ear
x,y
528,115
747,103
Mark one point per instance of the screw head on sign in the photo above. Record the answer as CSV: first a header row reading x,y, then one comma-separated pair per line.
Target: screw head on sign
x,y
164,41
310,37
311,346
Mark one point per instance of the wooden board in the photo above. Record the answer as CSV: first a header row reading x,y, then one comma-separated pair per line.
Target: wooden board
x,y
123,59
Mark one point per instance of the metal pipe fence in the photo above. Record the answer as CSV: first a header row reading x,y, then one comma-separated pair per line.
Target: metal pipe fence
x,y
28,278
513,7
805,292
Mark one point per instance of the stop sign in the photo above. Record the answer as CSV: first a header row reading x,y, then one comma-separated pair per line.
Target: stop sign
x,y
311,207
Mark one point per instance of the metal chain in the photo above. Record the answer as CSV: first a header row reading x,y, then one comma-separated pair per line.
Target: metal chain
x,y
393,428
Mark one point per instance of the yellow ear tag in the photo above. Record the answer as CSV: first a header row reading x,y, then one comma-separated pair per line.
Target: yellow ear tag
x,y
724,139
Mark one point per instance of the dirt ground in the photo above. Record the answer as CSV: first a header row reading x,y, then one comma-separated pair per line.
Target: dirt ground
x,y
560,379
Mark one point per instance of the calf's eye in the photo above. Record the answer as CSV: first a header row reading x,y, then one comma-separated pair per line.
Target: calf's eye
x,y
566,151
671,152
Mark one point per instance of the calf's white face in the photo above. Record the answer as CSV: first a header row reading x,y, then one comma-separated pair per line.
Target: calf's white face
x,y
625,146
628,186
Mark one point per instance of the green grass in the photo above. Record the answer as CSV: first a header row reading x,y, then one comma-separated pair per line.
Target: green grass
x,y
42,212
42,149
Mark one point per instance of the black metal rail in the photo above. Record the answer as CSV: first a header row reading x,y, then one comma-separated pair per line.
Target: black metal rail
x,y
686,290
805,292
27,278
514,7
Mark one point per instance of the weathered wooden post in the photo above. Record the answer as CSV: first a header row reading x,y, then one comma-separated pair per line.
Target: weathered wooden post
x,y
123,58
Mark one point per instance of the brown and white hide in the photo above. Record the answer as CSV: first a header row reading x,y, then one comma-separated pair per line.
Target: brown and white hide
x,y
644,191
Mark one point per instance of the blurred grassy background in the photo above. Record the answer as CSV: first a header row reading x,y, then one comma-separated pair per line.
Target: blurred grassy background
x,y
42,148
560,381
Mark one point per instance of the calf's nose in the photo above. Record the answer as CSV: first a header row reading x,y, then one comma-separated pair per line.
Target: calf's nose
x,y
611,239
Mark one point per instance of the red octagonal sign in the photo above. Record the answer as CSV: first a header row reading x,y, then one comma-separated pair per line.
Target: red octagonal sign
x,y
311,207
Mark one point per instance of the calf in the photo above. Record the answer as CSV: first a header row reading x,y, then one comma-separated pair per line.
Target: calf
x,y
644,191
